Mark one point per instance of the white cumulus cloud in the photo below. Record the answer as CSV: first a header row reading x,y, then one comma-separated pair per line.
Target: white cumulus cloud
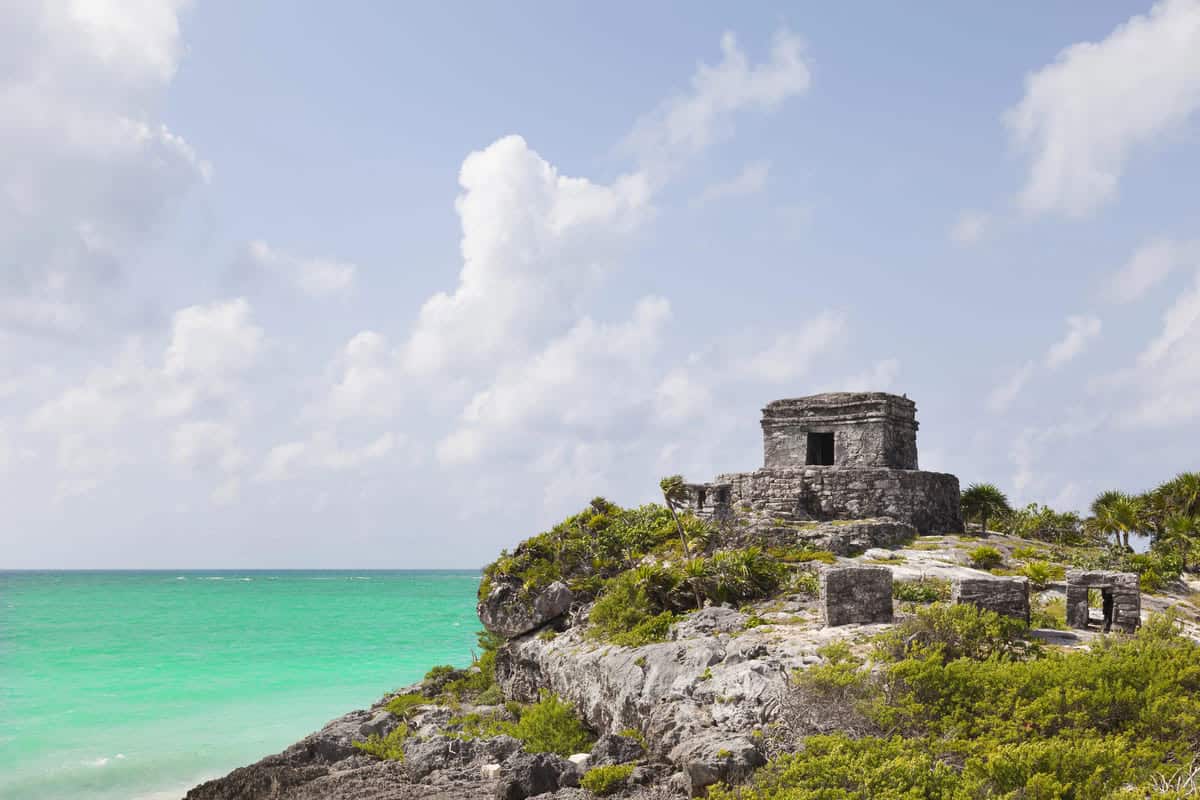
x,y
1080,331
1084,114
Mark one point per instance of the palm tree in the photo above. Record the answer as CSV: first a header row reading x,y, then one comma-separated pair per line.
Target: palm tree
x,y
1118,514
983,500
1183,493
675,492
1180,531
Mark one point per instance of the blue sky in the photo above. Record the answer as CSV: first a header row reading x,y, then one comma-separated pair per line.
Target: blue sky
x,y
288,285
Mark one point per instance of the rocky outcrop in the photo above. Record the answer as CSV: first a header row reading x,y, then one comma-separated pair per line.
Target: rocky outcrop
x,y
701,701
509,612
436,766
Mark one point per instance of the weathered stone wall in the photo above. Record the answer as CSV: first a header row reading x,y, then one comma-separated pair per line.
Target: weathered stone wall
x,y
856,595
929,501
1126,597
1004,595
871,429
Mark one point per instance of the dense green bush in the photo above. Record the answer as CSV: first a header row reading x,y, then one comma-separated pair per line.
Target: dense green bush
x,y
1115,721
639,605
551,726
985,557
390,747
607,780
949,632
587,548
925,590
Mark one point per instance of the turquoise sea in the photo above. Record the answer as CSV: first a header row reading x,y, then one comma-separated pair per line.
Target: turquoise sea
x,y
141,684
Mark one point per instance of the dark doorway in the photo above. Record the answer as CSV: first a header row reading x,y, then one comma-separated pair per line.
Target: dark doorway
x,y
820,449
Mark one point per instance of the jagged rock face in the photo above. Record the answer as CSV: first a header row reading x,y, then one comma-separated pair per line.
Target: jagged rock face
x,y
697,701
505,611
325,766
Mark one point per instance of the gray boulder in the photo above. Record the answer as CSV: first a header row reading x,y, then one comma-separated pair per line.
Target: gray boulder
x,y
505,611
530,774
613,748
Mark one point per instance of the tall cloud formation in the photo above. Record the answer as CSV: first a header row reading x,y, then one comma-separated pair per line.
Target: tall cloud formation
x,y
84,172
1082,116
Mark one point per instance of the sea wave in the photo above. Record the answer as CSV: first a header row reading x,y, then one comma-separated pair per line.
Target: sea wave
x,y
102,761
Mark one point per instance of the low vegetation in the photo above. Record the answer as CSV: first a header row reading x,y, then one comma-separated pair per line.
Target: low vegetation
x,y
958,706
390,747
607,780
985,557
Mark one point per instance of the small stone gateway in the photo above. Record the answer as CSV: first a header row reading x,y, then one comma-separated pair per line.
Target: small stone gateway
x,y
861,595
1008,596
1121,599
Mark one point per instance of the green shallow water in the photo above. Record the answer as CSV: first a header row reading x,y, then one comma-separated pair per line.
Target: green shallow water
x,y
140,684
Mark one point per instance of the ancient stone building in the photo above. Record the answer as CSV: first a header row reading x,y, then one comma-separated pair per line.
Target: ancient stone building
x,y
1120,599
837,456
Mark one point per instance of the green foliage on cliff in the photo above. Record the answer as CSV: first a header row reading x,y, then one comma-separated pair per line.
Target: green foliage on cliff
x,y
968,712
603,781
638,606
390,747
551,726
547,726
590,547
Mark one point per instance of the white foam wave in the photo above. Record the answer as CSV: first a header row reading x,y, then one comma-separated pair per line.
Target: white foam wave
x,y
102,761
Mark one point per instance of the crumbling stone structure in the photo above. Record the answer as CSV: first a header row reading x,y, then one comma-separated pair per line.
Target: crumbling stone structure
x,y
843,455
1121,599
1004,595
856,594
841,429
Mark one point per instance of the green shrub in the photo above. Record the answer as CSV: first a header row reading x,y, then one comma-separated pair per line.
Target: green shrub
x,y
1051,615
949,632
551,726
985,557
481,724
804,582
925,590
403,705
1113,721
608,780
1041,573
1026,553
491,696
390,747
625,614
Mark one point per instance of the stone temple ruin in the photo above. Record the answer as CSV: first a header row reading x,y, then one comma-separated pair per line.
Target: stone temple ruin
x,y
837,456
1121,599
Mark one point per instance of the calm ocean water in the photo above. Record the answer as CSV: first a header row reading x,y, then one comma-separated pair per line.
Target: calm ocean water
x,y
140,684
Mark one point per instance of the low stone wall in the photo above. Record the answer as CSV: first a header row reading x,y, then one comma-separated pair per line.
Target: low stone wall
x,y
929,501
1123,587
1004,595
861,595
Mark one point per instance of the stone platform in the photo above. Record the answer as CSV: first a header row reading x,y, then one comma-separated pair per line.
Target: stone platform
x,y
929,501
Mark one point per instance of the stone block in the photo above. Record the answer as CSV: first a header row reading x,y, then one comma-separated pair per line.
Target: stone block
x,y
860,595
1004,595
